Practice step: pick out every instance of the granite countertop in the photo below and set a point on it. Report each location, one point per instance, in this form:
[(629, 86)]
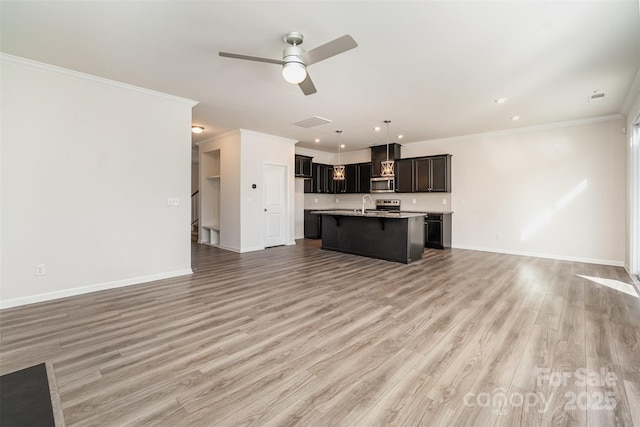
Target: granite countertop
[(430, 212), (368, 214)]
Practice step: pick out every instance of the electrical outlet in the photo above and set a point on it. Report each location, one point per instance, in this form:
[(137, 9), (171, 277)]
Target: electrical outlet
[(413, 201), (337, 201), (39, 270), (444, 201), (315, 200), (499, 236), (173, 201)]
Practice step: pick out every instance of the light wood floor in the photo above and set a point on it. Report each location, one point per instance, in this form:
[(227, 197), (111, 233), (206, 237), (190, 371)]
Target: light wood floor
[(300, 336)]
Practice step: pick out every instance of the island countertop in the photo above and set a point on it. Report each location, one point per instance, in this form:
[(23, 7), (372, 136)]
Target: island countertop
[(369, 214), (394, 236)]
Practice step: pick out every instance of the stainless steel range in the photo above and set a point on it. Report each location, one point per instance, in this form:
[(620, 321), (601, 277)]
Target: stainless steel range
[(392, 205)]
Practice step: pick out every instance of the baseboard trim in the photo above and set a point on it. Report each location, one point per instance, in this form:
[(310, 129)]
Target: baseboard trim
[(543, 255), (16, 302)]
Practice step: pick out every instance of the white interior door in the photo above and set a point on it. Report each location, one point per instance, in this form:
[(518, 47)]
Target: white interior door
[(274, 205)]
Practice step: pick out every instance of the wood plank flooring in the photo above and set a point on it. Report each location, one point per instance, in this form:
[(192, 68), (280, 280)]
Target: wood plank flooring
[(300, 336)]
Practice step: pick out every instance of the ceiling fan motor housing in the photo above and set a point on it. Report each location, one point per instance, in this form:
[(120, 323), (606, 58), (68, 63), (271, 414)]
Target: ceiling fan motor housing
[(294, 70)]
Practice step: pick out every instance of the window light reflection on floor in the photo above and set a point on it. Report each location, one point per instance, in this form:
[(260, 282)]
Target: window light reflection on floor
[(618, 285)]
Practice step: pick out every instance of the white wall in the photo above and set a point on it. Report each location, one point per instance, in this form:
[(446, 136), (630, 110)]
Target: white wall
[(557, 192), (243, 155), (87, 167), (259, 149)]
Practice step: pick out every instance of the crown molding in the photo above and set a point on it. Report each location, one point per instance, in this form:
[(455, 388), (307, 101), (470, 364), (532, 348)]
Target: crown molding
[(527, 129), (17, 61)]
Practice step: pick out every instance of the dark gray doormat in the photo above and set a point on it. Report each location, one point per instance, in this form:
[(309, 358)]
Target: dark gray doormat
[(25, 398)]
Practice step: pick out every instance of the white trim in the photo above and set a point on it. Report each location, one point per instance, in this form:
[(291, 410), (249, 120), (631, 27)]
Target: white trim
[(88, 78), (218, 136), (91, 288), (534, 128), (229, 248), (280, 138), (541, 255)]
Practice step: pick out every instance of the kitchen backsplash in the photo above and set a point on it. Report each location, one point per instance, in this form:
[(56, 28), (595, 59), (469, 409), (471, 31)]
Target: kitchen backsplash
[(432, 202)]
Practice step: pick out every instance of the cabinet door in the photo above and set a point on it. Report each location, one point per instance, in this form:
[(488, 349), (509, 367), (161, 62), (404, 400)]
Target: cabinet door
[(404, 176), (423, 175), (433, 234), (378, 154), (319, 178), (305, 167), (364, 178), (440, 174), (329, 183), (351, 179)]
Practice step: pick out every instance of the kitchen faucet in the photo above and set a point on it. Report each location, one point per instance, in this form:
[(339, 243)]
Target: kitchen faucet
[(364, 199)]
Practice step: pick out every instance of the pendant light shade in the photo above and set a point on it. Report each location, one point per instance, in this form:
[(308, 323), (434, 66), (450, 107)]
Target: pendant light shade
[(387, 165), (338, 170)]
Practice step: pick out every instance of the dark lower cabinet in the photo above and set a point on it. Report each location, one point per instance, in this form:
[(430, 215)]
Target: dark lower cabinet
[(437, 230), (312, 225)]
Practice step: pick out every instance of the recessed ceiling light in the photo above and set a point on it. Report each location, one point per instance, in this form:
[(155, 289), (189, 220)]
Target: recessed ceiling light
[(377, 128), (400, 136), (514, 118), (341, 145), (197, 129), (500, 100), (317, 139)]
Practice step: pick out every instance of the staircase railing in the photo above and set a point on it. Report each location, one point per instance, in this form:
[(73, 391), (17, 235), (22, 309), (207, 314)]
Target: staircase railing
[(195, 207)]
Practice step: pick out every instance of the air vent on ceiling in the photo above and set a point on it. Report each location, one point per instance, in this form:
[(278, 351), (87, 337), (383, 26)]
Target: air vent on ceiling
[(312, 121), (596, 96)]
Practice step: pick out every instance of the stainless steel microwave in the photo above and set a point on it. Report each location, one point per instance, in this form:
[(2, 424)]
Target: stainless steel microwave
[(383, 184)]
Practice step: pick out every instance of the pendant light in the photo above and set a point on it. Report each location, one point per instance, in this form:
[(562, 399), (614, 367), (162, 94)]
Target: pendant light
[(387, 165), (338, 171)]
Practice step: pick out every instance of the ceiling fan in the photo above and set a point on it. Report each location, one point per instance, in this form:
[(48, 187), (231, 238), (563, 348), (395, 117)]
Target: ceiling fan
[(295, 60)]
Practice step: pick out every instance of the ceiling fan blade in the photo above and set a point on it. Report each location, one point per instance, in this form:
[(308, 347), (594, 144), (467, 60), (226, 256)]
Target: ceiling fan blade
[(307, 86), (251, 58), (327, 50)]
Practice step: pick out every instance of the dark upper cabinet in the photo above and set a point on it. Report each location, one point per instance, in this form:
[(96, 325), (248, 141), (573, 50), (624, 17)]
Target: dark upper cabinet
[(433, 174), (404, 171), (351, 179), (322, 178), (441, 174), (364, 178), (303, 166), (379, 154), (424, 174), (357, 179)]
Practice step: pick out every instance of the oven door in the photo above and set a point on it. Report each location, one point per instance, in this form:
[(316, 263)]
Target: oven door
[(383, 185)]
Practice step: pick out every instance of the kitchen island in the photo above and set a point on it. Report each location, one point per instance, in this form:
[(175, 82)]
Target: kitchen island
[(393, 236)]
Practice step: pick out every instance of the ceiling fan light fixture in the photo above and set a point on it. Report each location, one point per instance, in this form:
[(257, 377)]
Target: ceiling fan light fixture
[(294, 72)]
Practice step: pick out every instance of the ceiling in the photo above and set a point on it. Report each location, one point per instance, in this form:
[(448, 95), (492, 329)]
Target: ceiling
[(434, 68)]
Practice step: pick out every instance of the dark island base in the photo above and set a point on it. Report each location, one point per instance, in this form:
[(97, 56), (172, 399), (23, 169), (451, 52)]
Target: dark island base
[(391, 239)]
